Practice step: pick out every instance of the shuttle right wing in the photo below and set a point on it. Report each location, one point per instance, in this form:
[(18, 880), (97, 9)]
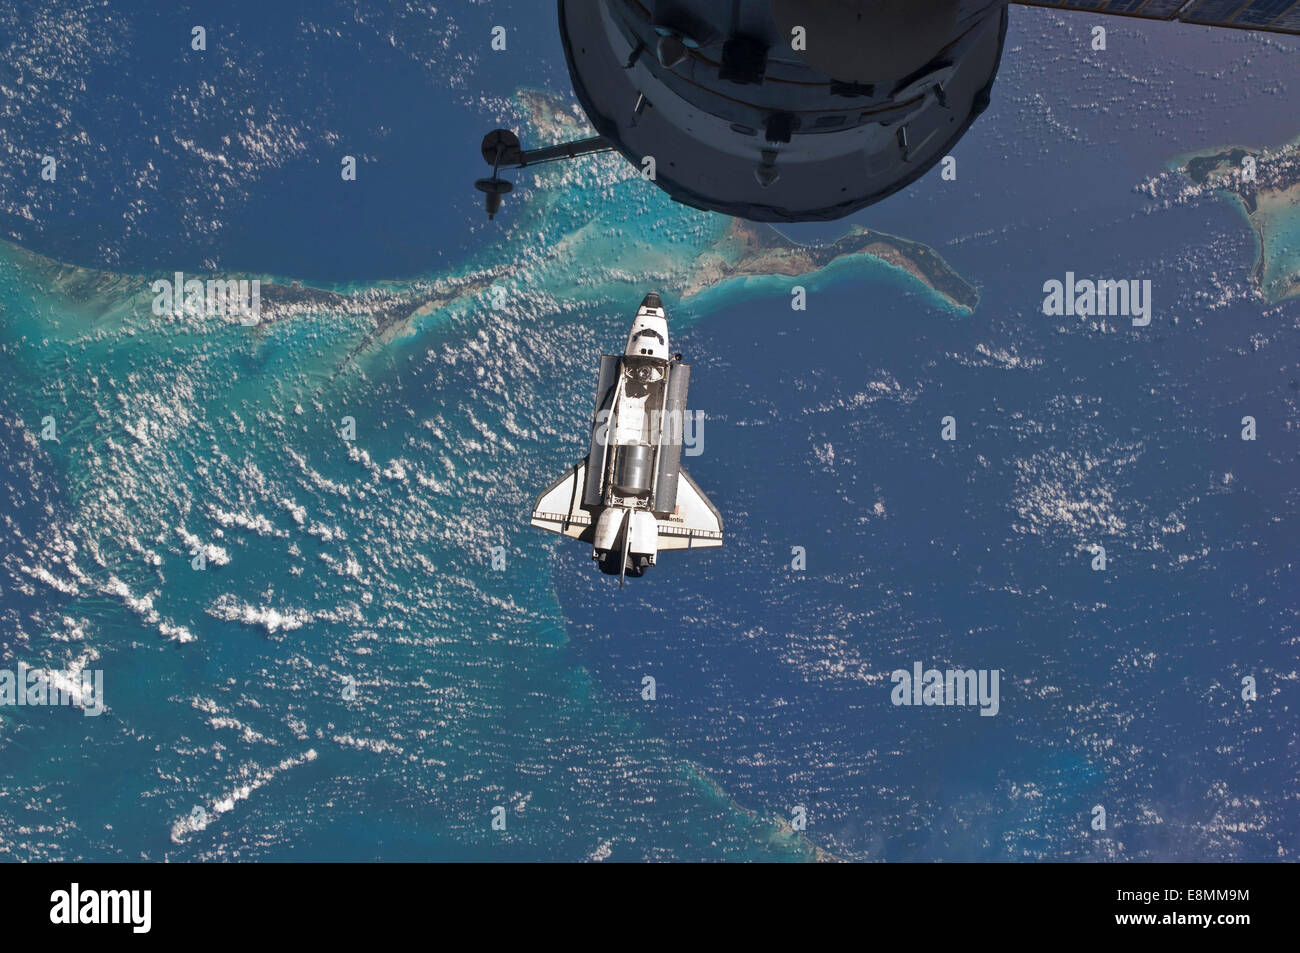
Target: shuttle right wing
[(695, 524)]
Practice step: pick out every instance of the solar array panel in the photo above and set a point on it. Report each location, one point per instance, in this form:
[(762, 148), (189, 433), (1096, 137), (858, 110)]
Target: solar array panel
[(1273, 16)]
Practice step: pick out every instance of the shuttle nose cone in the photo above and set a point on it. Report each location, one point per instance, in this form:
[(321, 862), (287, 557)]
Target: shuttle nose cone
[(652, 301)]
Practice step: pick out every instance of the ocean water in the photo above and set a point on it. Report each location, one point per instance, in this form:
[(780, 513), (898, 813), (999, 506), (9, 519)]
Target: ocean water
[(1118, 689), (170, 158), (233, 731)]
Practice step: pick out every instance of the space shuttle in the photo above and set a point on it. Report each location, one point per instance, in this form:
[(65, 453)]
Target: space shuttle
[(630, 498)]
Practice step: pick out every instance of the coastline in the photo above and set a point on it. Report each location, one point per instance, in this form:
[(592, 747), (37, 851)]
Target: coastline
[(1270, 205)]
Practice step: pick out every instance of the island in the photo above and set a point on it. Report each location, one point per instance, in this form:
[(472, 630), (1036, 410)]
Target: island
[(749, 249), (1270, 200), (585, 233), (731, 248)]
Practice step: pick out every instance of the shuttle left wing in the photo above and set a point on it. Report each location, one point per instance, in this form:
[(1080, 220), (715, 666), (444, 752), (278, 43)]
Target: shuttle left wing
[(559, 508)]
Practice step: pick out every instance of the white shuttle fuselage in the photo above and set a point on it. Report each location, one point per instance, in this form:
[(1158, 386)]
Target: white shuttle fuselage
[(630, 498)]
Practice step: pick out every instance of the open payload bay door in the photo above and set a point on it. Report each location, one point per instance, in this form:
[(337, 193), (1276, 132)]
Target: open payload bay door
[(695, 522), (1269, 16), (559, 508)]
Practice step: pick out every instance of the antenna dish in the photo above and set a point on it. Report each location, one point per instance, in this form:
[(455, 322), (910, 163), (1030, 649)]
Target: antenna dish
[(501, 147), (494, 189)]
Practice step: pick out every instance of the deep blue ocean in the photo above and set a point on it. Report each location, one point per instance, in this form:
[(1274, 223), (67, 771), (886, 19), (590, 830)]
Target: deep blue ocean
[(231, 732)]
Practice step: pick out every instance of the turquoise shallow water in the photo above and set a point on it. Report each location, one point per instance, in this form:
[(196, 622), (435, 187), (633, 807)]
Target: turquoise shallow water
[(1276, 219), (328, 560), (335, 564), (1283, 251)]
